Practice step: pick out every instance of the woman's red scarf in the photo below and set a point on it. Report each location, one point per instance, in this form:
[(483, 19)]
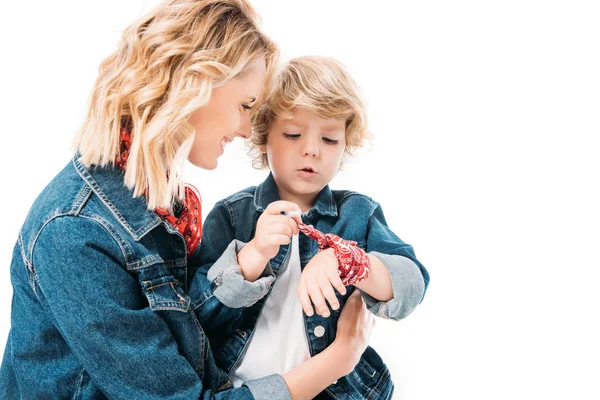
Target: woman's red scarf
[(189, 222)]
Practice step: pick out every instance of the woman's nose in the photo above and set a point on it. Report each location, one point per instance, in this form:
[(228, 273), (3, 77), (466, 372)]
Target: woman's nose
[(245, 129)]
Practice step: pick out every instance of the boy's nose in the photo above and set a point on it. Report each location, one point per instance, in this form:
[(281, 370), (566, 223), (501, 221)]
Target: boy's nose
[(310, 149)]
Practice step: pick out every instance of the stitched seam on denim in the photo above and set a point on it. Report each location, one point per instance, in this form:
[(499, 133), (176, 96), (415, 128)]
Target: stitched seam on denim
[(83, 197), (195, 305), (119, 240), (370, 373), (86, 176), (331, 394), (31, 274), (257, 198), (360, 382), (145, 262), (32, 244), (78, 391), (232, 217), (66, 215), (201, 335), (177, 263), (236, 197), (137, 235), (20, 243), (350, 193), (376, 390)]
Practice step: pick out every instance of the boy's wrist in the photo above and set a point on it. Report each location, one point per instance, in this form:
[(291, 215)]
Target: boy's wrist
[(251, 262)]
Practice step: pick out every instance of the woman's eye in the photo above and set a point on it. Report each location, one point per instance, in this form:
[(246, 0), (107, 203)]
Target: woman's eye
[(291, 135), (246, 107), (330, 141)]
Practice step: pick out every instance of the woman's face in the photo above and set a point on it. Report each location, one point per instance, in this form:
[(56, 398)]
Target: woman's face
[(226, 115)]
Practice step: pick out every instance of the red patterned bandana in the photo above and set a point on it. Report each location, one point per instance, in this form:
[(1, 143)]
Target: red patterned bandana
[(353, 261), (189, 222)]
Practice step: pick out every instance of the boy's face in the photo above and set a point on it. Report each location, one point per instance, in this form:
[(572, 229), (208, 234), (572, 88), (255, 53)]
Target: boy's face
[(304, 154)]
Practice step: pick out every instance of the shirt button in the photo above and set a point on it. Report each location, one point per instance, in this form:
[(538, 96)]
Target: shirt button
[(319, 331)]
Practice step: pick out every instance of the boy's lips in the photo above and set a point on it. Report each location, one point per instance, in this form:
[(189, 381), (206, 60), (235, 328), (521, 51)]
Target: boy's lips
[(306, 172), (307, 169)]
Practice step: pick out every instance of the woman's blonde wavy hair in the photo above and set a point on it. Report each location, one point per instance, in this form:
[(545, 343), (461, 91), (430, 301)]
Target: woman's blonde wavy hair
[(319, 84), (166, 66)]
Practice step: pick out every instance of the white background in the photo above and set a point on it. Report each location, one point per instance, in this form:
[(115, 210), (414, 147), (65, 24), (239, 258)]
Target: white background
[(486, 119)]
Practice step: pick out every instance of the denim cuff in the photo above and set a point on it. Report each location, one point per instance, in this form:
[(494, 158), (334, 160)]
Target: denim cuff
[(271, 387), (229, 285), (408, 287)]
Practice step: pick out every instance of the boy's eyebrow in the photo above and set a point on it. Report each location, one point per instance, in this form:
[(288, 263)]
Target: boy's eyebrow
[(296, 124), (332, 129)]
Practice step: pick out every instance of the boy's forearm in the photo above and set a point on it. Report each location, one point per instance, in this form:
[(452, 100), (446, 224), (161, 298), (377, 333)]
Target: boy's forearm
[(251, 262), (379, 283)]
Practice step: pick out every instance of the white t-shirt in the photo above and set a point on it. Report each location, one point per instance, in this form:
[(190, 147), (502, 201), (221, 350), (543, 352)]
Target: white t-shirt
[(279, 341)]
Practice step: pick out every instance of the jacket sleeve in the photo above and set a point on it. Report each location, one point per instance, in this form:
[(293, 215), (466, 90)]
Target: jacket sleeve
[(218, 289), (409, 277), (97, 305)]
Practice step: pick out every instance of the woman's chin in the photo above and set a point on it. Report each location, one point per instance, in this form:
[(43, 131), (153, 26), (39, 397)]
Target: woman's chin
[(203, 161)]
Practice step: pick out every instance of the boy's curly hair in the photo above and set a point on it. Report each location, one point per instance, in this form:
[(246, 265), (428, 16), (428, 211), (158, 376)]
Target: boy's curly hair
[(319, 84)]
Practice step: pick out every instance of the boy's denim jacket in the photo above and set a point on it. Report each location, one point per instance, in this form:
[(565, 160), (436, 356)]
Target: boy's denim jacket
[(228, 307), (94, 277)]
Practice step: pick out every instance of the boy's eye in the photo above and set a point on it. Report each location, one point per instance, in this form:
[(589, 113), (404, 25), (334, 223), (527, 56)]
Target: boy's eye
[(329, 141), (246, 107), (291, 135)]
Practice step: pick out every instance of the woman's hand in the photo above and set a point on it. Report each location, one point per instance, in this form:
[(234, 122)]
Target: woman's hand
[(353, 331), (354, 327), (273, 229), (317, 282)]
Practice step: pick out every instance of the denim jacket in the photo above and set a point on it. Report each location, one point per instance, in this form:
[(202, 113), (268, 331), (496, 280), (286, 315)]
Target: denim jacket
[(228, 307), (99, 308)]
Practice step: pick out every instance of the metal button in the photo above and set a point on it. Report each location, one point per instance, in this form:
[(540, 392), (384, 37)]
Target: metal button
[(319, 331)]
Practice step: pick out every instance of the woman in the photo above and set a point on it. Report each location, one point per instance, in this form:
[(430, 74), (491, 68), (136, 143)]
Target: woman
[(101, 263)]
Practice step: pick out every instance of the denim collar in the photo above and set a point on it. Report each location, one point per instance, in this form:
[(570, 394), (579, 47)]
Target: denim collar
[(107, 184), (267, 192)]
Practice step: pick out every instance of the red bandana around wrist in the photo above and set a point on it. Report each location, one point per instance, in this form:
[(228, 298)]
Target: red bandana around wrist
[(353, 262), (189, 222)]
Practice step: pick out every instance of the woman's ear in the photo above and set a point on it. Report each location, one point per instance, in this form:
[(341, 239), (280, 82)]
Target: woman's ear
[(263, 148)]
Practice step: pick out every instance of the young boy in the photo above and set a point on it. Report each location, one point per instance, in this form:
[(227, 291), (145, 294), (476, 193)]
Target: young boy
[(257, 275)]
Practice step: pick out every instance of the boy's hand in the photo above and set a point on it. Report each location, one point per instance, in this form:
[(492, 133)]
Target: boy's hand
[(319, 278), (272, 230)]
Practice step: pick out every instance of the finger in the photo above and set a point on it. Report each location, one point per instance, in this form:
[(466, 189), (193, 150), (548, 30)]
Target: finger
[(280, 228), (278, 238), (285, 220), (329, 294), (297, 220), (293, 224), (305, 299), (336, 281), (317, 298), (280, 206)]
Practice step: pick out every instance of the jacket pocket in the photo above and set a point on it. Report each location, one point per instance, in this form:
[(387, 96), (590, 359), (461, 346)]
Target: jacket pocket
[(164, 293)]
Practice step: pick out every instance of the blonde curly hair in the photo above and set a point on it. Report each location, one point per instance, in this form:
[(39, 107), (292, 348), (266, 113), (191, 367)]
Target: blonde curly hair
[(165, 68), (319, 84)]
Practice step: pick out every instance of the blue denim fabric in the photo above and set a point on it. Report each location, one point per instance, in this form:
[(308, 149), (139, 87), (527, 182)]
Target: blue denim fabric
[(229, 307), (99, 308)]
